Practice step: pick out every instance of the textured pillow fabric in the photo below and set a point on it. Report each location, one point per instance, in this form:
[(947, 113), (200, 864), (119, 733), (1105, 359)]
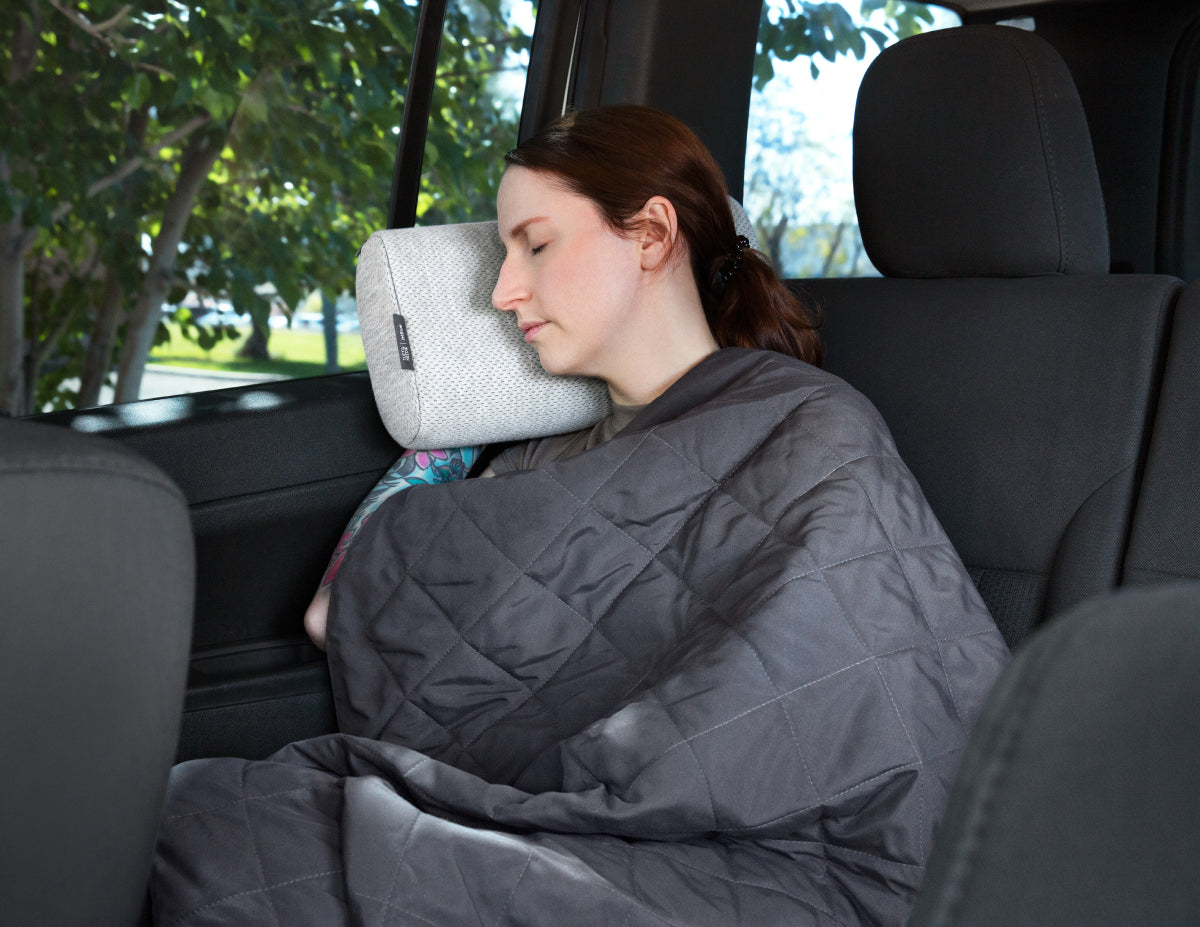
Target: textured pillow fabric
[(448, 369)]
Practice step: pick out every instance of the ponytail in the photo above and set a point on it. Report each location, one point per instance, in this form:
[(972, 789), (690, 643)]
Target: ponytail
[(753, 308), (619, 157)]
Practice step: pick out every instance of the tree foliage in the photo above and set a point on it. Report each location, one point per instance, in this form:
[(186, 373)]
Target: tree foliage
[(791, 29), (472, 124), (242, 151)]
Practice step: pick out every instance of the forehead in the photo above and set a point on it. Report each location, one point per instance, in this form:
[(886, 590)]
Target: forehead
[(526, 197)]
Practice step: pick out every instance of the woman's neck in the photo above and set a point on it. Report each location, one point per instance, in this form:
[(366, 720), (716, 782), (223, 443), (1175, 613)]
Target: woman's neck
[(671, 342), (663, 338)]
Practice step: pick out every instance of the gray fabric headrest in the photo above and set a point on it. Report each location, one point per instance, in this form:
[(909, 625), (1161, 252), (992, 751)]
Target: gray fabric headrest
[(447, 369), (972, 157)]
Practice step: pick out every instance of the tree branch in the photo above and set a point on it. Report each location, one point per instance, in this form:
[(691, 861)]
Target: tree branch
[(45, 344), (114, 20), (99, 31), (96, 30), (135, 163), (175, 135)]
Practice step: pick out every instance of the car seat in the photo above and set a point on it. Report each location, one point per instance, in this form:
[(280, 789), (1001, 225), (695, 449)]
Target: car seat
[(1077, 801), (1017, 375), (1164, 543), (97, 581)]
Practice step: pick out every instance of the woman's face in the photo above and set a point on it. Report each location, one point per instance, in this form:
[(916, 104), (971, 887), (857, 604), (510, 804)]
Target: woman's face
[(571, 280)]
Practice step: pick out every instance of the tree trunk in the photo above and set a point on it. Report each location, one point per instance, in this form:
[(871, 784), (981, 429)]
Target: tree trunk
[(13, 245), (201, 155), (833, 249), (15, 241), (255, 345), (44, 340), (329, 329), (100, 346), (774, 244)]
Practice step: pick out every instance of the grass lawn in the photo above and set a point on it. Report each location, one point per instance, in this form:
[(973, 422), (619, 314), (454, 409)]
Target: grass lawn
[(293, 353)]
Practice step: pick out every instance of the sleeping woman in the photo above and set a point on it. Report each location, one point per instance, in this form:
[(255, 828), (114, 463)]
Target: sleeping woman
[(711, 661)]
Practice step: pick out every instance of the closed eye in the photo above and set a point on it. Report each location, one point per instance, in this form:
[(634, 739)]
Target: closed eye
[(538, 249)]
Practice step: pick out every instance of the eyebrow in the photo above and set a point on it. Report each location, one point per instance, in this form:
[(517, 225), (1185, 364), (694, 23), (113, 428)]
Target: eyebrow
[(520, 227)]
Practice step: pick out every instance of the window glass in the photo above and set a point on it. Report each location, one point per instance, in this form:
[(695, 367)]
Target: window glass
[(191, 220), (476, 110), (811, 59)]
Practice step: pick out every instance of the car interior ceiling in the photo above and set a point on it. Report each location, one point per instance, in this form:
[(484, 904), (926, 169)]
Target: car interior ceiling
[(1050, 417)]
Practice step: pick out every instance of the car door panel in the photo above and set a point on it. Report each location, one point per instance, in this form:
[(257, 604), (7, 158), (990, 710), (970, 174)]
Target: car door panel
[(271, 473)]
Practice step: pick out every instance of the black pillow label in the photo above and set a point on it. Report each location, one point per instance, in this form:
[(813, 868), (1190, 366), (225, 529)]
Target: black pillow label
[(402, 345)]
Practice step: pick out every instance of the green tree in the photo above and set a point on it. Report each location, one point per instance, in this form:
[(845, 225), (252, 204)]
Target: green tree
[(246, 143), (791, 29), (473, 122)]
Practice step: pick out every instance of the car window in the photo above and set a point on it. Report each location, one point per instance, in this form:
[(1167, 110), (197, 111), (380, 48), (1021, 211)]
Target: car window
[(193, 218), (798, 191), (476, 109)]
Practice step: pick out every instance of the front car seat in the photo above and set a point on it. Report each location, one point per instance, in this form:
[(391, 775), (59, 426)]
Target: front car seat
[(1078, 800), (97, 582)]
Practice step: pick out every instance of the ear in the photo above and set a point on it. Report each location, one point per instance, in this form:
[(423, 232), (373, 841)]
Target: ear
[(658, 228)]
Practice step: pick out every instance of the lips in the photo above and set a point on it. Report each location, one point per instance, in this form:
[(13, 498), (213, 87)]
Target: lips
[(530, 329)]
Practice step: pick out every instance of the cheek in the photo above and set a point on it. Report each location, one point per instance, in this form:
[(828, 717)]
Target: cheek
[(566, 279), (596, 273)]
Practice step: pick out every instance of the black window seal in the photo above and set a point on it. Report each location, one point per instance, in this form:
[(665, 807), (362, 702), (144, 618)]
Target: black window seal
[(414, 125), (553, 59), (1179, 173)]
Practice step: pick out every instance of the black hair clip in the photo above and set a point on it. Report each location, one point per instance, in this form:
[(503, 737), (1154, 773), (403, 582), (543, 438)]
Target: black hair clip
[(731, 265)]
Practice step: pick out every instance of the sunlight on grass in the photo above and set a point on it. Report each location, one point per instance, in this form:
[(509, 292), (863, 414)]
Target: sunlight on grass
[(293, 353)]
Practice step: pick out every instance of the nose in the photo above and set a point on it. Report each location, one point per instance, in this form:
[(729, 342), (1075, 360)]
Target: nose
[(509, 289)]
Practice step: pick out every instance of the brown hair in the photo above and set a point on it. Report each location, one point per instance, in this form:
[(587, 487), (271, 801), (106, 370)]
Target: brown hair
[(619, 157)]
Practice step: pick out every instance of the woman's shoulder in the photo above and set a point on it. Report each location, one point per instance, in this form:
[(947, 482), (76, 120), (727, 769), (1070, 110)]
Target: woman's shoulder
[(824, 402), (770, 370), (539, 452), (534, 452)]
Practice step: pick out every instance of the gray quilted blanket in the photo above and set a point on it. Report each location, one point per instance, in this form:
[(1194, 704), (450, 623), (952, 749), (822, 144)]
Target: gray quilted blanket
[(718, 671)]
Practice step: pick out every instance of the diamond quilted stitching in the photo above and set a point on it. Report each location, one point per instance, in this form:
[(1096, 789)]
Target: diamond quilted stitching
[(829, 526), (655, 590), (852, 700), (775, 782), (889, 595), (704, 548), (800, 625), (951, 610), (674, 482), (543, 504), (591, 563), (922, 701)]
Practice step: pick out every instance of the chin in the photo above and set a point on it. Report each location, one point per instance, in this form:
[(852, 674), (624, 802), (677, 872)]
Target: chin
[(556, 366)]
